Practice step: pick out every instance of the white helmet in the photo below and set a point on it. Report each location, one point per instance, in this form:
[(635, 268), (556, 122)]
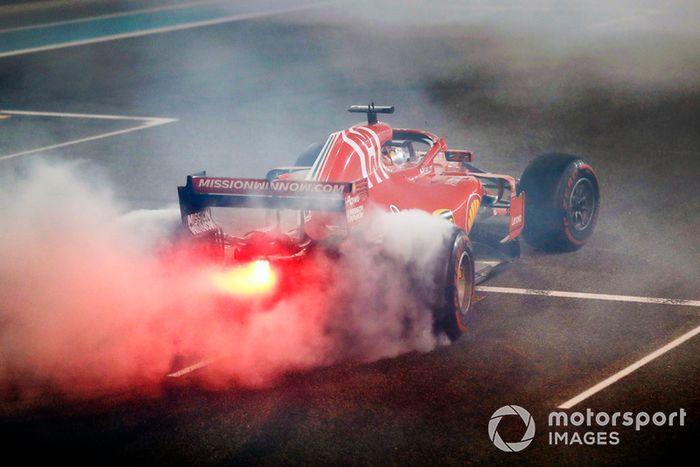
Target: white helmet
[(398, 155)]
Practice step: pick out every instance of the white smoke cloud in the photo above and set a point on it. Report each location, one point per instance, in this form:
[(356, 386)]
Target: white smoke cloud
[(90, 303)]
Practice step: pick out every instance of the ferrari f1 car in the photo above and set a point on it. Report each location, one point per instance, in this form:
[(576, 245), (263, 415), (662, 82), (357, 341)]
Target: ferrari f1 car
[(554, 206)]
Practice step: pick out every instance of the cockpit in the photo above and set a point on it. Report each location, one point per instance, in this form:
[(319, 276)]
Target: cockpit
[(405, 150)]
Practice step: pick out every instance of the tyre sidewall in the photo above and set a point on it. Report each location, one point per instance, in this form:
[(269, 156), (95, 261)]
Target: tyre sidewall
[(575, 171), (451, 318), (547, 183)]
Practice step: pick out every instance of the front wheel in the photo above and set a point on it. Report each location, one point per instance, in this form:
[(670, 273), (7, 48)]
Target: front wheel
[(455, 285), (562, 199)]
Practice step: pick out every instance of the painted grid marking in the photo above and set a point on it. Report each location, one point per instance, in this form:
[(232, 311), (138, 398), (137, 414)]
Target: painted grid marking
[(179, 6), (145, 123), (630, 369), (555, 293), (164, 29), (195, 367), (616, 298), (590, 296)]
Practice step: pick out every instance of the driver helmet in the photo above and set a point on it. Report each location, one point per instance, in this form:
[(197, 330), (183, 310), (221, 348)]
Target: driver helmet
[(397, 155)]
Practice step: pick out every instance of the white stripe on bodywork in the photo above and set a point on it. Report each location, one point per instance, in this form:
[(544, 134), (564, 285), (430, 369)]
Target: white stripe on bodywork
[(360, 154), (375, 138), (329, 152), (319, 163), (371, 154)]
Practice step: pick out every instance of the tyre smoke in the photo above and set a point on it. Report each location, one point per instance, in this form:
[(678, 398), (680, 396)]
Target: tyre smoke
[(91, 305)]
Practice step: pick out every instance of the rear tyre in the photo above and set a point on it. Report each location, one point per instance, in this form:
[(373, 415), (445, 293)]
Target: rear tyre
[(455, 285), (562, 200)]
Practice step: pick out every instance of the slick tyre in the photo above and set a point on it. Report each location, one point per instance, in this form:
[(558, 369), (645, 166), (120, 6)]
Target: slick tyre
[(562, 200), (455, 285)]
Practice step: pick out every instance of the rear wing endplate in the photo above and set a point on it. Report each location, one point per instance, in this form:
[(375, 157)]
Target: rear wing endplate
[(515, 205)]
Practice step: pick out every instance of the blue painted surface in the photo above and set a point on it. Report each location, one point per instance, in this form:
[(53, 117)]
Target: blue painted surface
[(99, 28)]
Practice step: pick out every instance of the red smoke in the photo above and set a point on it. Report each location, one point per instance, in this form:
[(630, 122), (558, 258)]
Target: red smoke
[(88, 307)]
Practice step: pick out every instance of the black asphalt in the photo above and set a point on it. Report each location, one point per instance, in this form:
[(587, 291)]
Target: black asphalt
[(250, 95)]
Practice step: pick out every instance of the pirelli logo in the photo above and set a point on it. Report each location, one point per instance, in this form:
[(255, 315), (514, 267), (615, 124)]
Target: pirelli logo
[(250, 186)]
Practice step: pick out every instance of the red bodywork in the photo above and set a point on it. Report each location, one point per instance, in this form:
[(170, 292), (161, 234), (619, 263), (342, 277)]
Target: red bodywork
[(353, 170), (434, 185)]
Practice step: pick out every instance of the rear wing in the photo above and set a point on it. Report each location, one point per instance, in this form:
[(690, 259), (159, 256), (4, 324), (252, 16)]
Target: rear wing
[(202, 192)]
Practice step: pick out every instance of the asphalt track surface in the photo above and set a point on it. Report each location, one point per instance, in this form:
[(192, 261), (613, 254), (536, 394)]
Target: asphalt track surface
[(620, 85)]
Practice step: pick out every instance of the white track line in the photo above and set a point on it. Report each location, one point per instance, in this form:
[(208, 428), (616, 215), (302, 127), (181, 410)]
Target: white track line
[(31, 113), (590, 296), (194, 367), (633, 367), (616, 298), (110, 15), (78, 141), (148, 122), (28, 7), (178, 27), (554, 293)]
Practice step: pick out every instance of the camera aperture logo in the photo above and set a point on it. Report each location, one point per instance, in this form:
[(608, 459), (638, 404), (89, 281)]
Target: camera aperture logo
[(527, 419), (580, 428)]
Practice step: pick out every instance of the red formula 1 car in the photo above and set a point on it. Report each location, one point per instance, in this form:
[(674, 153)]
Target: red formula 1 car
[(554, 205)]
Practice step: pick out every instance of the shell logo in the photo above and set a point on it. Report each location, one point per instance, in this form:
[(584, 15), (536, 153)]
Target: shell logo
[(472, 210)]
